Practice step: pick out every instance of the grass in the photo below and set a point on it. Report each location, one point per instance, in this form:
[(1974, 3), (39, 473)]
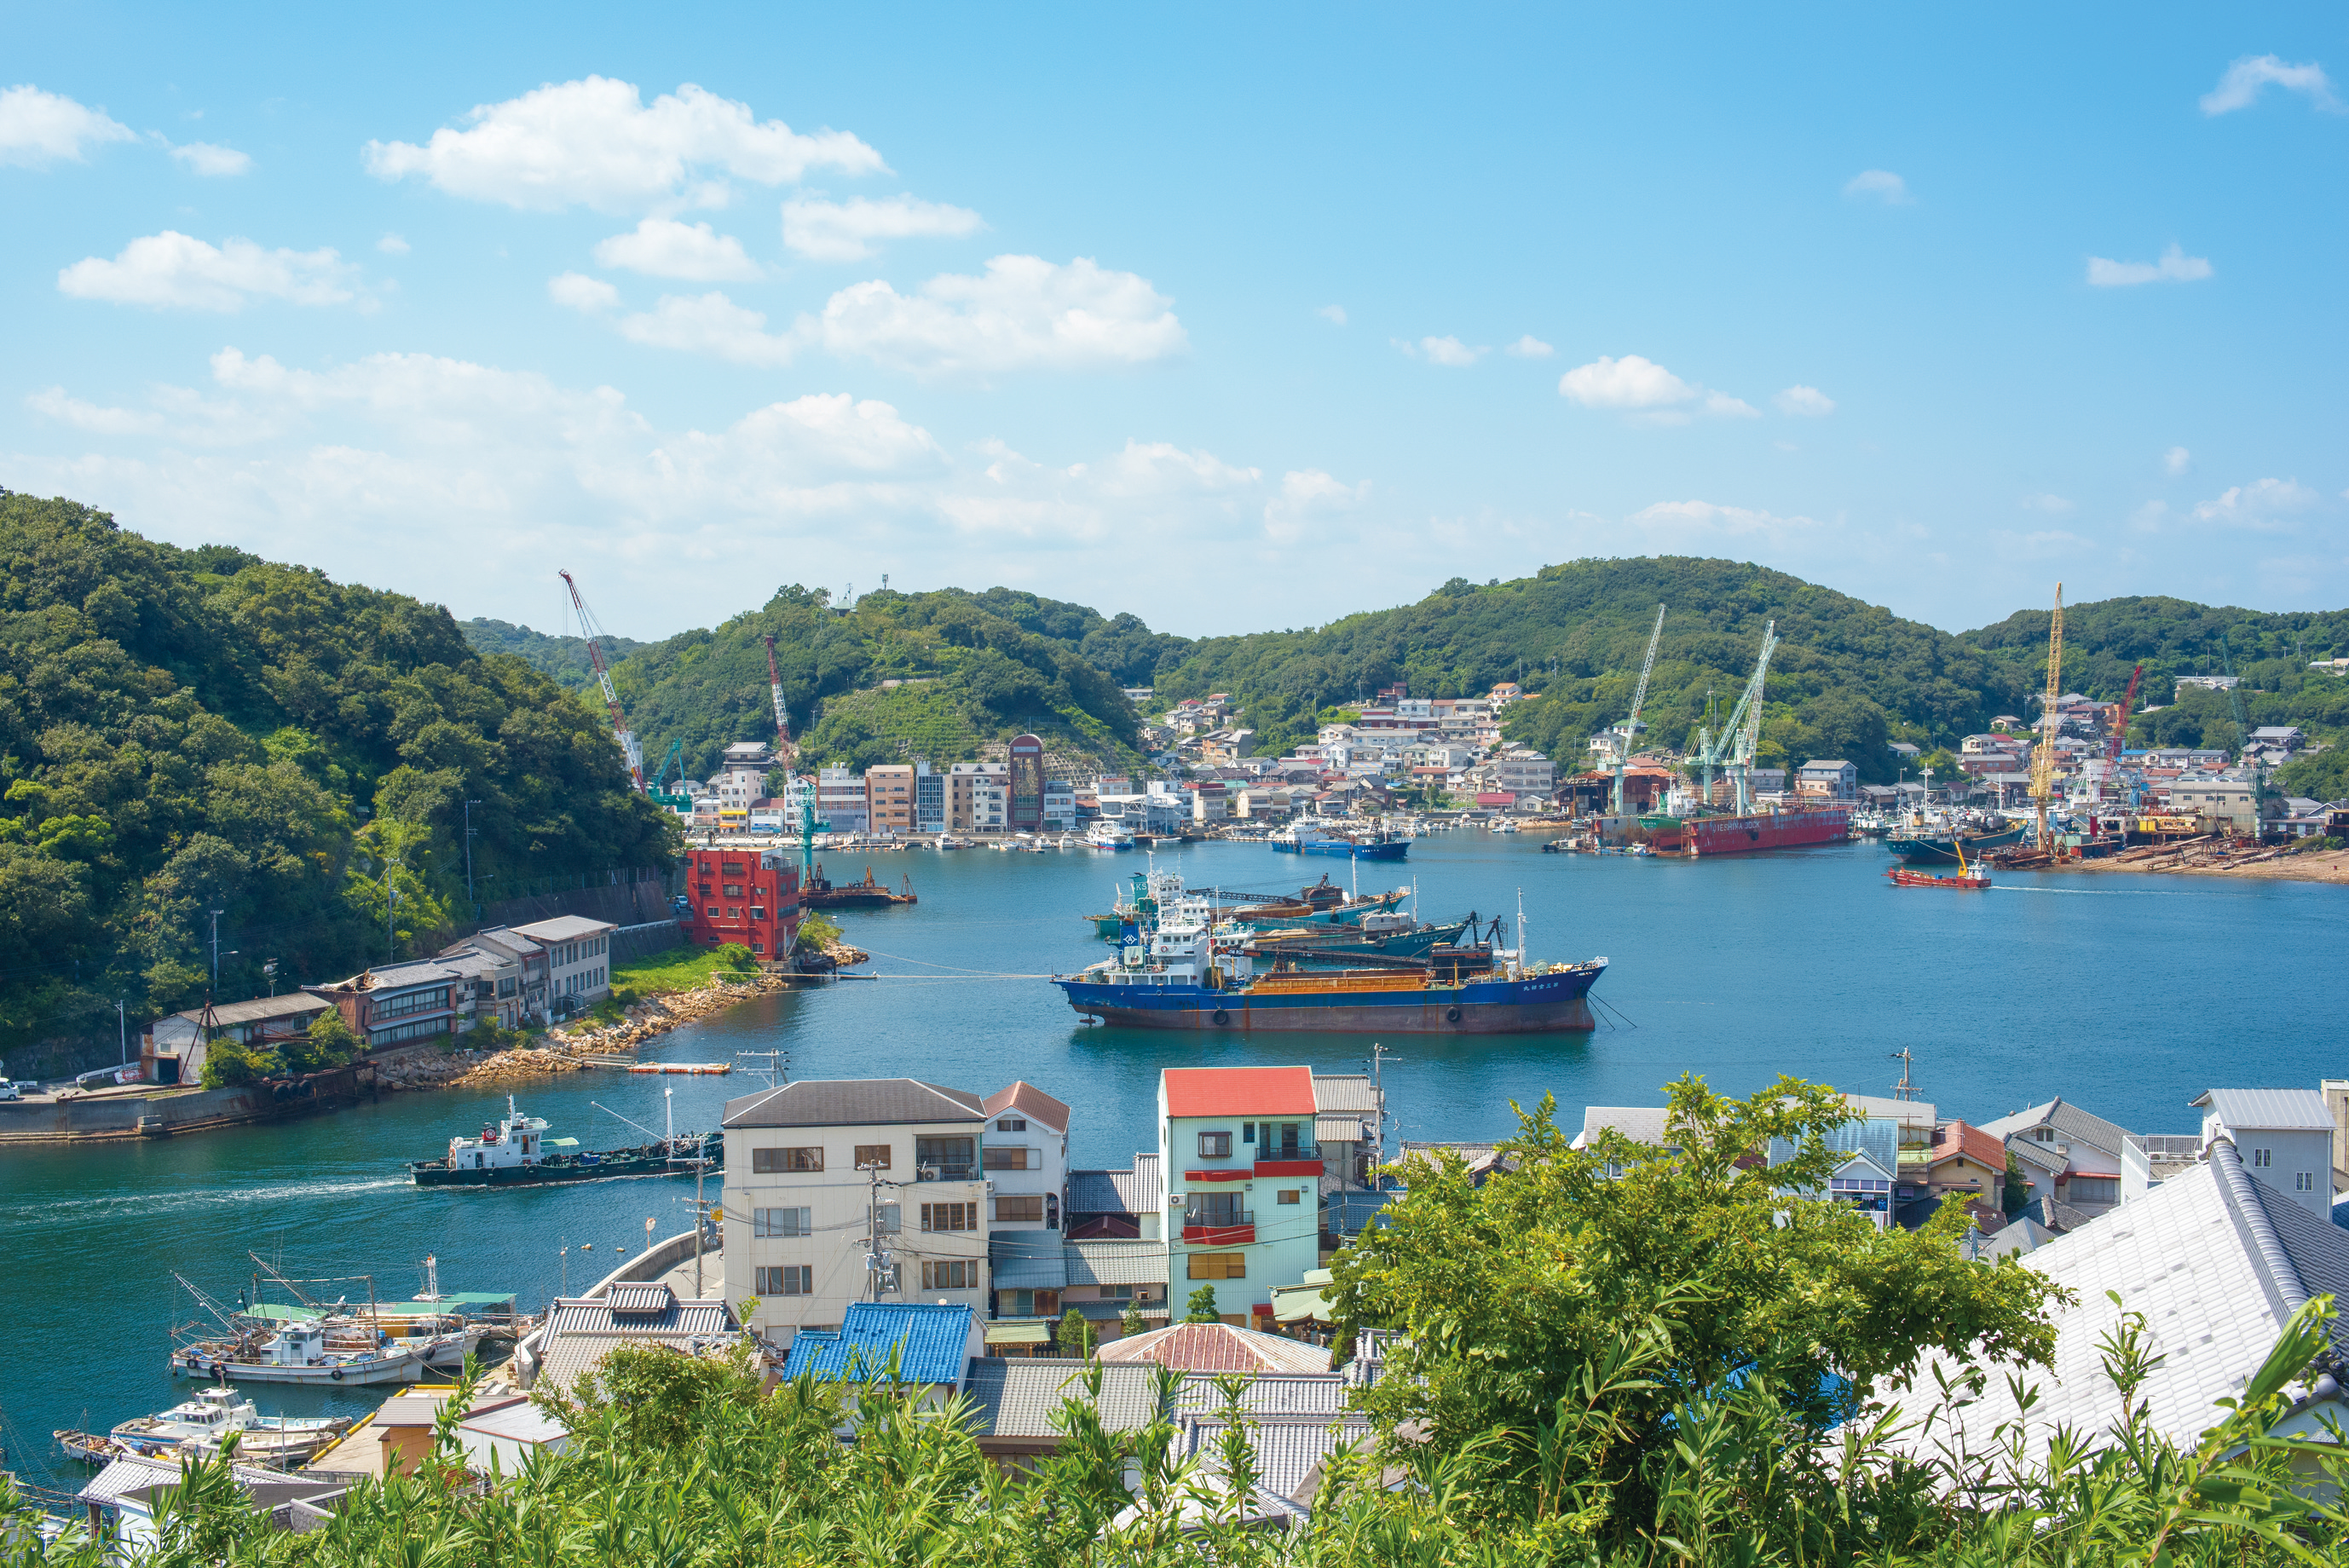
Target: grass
[(685, 968)]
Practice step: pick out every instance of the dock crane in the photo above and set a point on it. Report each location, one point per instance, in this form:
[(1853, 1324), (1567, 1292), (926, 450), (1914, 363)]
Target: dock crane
[(2051, 721), (782, 714), (1639, 700), (2119, 735), (593, 633), (1733, 746)]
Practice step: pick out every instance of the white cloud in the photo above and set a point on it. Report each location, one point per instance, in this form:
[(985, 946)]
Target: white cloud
[(1446, 350), (709, 324), (392, 245), (2176, 462), (204, 157), (38, 129), (2054, 505), (1024, 313), (1333, 314), (1529, 347), (56, 404), (1881, 184), (665, 248), (1803, 402), (577, 291), (174, 270), (2251, 76), (1725, 407), (844, 231), (2263, 506), (1307, 496), (1630, 382), (180, 415), (1701, 525), (594, 143), (2175, 266)]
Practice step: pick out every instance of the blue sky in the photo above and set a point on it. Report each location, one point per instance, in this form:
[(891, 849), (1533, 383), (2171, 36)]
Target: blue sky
[(1231, 320)]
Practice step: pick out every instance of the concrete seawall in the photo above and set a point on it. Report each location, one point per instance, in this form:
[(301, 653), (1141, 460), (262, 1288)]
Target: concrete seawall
[(112, 1119)]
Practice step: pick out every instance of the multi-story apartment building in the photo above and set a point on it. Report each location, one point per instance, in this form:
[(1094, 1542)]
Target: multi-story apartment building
[(1026, 1159), (578, 960), (929, 800), (746, 895), (840, 799), (978, 797), (397, 1003), (889, 798), (1243, 1173), (854, 1189)]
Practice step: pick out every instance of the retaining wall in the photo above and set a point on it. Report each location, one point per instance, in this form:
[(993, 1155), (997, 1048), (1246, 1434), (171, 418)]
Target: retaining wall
[(114, 1118), (631, 942)]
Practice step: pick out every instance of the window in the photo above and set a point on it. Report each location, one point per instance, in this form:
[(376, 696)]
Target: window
[(793, 1279), (955, 1276), (1288, 1139), (731, 871), (413, 1002), (949, 1216), (1214, 1146), (2305, 1182), (1010, 1159), (713, 912), (506, 985), (781, 1222), (1218, 1265), (873, 1156), (1011, 1124), (893, 1220), (1031, 1303), (780, 1162), (413, 1031), (733, 912), (733, 890), (1290, 1194), (757, 911), (1116, 1293), (1018, 1211), (952, 1159)]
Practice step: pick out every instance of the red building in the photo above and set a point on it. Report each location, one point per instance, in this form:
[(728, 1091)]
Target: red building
[(745, 895)]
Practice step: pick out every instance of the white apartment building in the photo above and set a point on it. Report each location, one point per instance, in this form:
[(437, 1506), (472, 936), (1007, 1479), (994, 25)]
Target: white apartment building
[(2283, 1137), (1060, 806), (1026, 1158), (979, 796), (579, 959), (840, 799), (854, 1189)]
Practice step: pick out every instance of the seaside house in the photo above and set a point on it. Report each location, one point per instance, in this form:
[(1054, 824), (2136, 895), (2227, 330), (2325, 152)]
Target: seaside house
[(2285, 1137), (171, 1050), (517, 958), (2071, 1160), (1025, 1155), (929, 1346), (1969, 1164), (396, 1004), (1016, 1403), (854, 1188), (1243, 1176), (578, 960), (580, 1331), (1831, 779)]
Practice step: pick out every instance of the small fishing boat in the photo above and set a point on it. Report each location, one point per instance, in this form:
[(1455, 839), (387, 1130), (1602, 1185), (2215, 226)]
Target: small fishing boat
[(204, 1423), (516, 1152), (1967, 879)]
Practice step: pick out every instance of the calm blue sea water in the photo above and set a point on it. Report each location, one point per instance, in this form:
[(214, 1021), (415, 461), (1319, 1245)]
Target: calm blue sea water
[(2129, 995)]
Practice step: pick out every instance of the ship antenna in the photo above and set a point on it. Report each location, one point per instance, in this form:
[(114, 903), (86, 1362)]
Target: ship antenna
[(1521, 935)]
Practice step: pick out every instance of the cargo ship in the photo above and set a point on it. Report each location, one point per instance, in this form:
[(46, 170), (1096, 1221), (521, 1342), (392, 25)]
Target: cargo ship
[(1920, 848), (1192, 973), (1746, 833), (516, 1152), (1380, 844)]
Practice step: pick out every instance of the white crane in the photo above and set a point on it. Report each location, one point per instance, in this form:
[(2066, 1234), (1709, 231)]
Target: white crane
[(595, 635), (1639, 700), (1734, 745)]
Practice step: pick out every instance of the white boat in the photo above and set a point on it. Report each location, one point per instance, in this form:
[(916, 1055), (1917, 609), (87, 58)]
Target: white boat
[(309, 1353), (1108, 834), (949, 841), (204, 1422)]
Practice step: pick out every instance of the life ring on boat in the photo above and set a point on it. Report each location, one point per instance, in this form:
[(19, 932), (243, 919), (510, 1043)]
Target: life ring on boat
[(1221, 1016), (1452, 1015), (336, 1373)]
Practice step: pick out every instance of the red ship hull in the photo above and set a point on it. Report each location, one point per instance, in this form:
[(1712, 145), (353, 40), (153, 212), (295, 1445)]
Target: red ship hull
[(1764, 830)]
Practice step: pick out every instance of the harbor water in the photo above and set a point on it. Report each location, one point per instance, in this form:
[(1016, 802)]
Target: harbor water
[(2127, 995)]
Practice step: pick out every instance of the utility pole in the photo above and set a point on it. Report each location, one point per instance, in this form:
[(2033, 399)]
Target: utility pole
[(468, 851), (872, 1229), (123, 1021), (390, 930), (215, 913)]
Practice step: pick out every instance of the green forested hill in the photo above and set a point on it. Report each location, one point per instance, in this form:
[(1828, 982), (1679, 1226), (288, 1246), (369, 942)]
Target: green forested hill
[(183, 731), (972, 667), (1847, 677), (565, 658)]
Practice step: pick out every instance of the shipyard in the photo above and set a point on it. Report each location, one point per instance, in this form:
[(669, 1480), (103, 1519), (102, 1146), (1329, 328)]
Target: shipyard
[(1336, 788)]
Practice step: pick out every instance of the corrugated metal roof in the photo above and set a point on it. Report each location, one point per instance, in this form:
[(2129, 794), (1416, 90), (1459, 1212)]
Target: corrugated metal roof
[(1017, 1399), (1218, 1347), (291, 1005), (567, 1356), (566, 928), (1020, 1331), (1344, 1092), (1238, 1091), (928, 1342), (1346, 1128), (2269, 1109), (1115, 1261), (576, 1314), (640, 1300), (1027, 1260), (853, 1102), (1265, 1394), (1287, 1448), (1149, 1194)]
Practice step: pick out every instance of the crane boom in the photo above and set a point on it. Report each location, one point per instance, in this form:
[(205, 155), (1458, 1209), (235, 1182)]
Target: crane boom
[(1639, 700), (1742, 733), (2120, 727), (2051, 720), (782, 714), (594, 633)]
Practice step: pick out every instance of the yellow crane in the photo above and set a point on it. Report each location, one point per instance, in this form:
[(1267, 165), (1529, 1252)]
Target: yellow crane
[(2051, 721)]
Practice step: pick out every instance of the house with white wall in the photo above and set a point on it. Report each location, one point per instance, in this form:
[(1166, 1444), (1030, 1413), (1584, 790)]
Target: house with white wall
[(1243, 1173), (2283, 1136)]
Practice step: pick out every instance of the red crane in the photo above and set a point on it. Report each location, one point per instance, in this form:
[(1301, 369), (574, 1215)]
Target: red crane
[(782, 714), (2120, 726), (595, 634)]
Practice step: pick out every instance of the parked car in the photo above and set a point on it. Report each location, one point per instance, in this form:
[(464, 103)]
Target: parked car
[(8, 1091)]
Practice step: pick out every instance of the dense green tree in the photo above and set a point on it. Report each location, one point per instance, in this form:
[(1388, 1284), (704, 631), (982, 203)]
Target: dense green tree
[(1201, 1307)]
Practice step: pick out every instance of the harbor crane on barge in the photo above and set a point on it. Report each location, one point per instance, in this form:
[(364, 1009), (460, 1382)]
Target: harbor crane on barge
[(1639, 700), (1733, 746), (595, 634)]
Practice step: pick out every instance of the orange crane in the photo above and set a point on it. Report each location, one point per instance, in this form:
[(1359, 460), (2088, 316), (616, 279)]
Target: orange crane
[(2051, 722), (2120, 728), (595, 634)]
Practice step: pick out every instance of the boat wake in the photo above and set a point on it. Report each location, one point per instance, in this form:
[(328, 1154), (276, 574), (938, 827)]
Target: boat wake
[(101, 1208)]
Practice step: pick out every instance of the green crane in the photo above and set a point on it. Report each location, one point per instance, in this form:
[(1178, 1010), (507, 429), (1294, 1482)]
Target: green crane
[(1733, 746), (1639, 700)]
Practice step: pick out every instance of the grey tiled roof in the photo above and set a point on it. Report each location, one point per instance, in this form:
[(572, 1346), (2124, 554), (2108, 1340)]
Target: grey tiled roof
[(1640, 1123), (1265, 1394), (1349, 1093), (1287, 1448), (2215, 1261), (2019, 1235), (853, 1102), (2269, 1109), (1116, 1262), (1017, 1397), (1101, 1193), (2076, 1125)]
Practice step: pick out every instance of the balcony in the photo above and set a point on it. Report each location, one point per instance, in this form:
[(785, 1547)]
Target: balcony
[(1287, 1161), (1219, 1227)]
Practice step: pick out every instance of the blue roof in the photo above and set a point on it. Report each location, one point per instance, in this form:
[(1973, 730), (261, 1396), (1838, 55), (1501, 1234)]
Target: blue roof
[(929, 1343)]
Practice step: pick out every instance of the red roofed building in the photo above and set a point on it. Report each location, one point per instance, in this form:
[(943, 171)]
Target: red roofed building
[(1243, 1185), (1968, 1165), (1216, 1347)]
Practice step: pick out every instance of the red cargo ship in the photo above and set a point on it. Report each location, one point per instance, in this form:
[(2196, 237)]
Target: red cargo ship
[(1827, 824)]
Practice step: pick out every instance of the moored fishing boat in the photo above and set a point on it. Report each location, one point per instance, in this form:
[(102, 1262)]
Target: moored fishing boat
[(204, 1423), (516, 1152)]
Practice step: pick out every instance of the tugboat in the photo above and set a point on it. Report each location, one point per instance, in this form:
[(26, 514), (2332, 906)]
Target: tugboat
[(517, 1152)]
